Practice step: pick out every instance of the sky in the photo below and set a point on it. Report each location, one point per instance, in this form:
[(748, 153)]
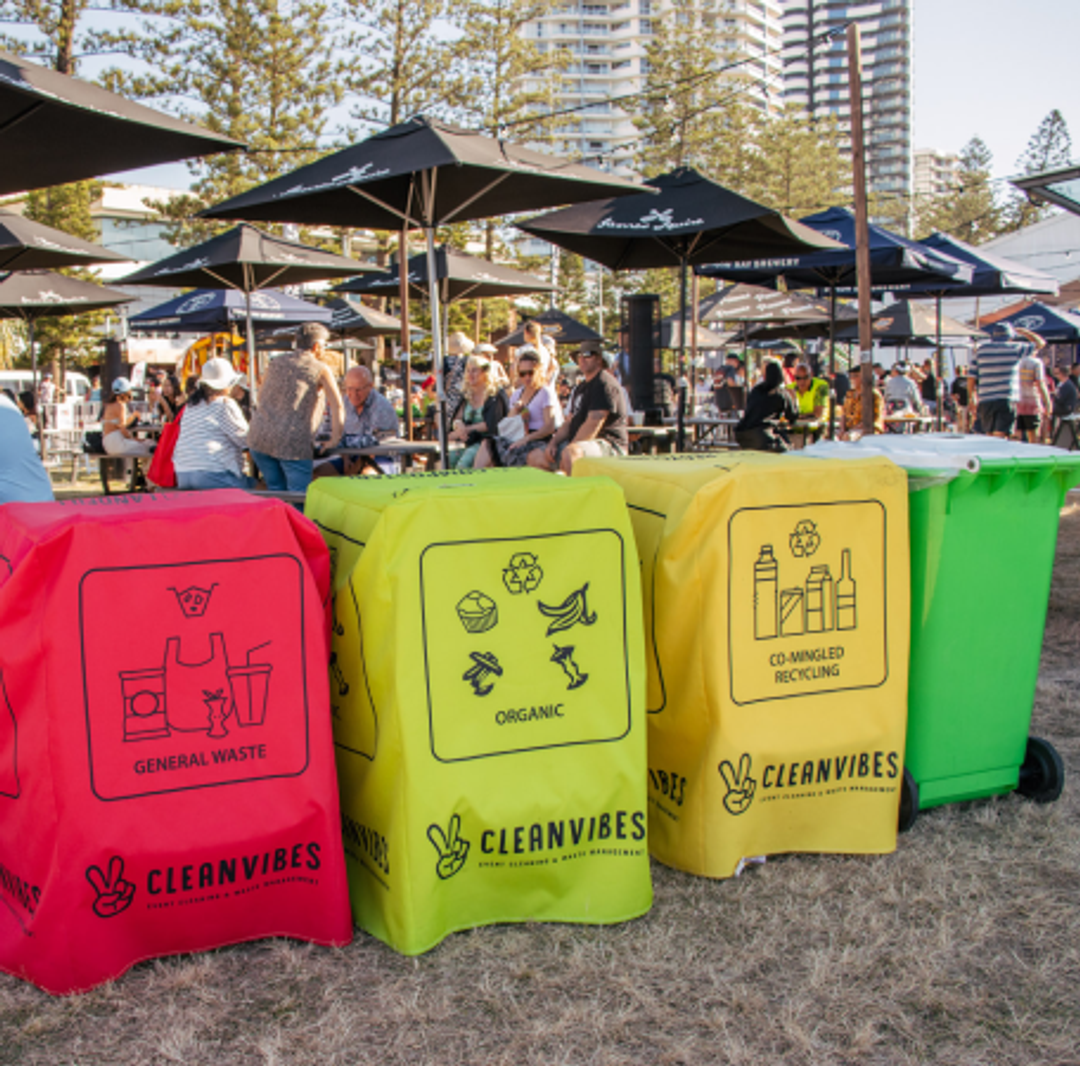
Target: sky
[(992, 68)]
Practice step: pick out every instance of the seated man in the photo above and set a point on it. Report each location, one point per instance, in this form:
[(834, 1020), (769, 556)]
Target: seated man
[(900, 391), (598, 424), (812, 394), (369, 418), (22, 477)]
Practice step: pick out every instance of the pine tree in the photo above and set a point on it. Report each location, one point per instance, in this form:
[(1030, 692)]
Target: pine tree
[(402, 67), (971, 211), (1049, 148), (57, 32), (257, 71), (680, 112), (799, 166), (67, 208)]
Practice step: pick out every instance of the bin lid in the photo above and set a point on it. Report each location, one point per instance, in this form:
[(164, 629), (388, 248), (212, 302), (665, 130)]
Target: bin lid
[(943, 455)]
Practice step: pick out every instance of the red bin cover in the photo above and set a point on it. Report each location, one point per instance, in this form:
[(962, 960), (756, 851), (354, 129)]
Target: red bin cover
[(167, 777)]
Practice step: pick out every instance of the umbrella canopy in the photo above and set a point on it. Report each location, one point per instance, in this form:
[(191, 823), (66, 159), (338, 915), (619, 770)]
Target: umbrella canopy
[(894, 260), (991, 275), (55, 129), (671, 335), (560, 327), (354, 319), (687, 218), (425, 173), (34, 294), (755, 303), (247, 259), (218, 309), (463, 277), (907, 320), (1053, 324), (28, 245)]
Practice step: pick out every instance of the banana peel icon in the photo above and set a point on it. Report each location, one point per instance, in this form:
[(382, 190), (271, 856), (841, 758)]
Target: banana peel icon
[(572, 611)]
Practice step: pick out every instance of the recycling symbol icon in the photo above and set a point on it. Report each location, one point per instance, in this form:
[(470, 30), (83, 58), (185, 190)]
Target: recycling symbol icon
[(522, 573), (804, 539)]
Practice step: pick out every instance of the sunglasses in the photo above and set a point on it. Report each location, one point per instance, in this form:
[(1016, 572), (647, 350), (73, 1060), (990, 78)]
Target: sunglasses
[(802, 377), (525, 373)]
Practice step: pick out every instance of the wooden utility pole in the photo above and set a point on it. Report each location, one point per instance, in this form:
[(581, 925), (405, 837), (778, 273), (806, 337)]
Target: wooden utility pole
[(862, 226)]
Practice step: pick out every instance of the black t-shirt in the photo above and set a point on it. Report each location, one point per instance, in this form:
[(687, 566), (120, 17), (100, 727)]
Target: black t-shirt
[(960, 390), (603, 393), (764, 408), (928, 388), (841, 385)]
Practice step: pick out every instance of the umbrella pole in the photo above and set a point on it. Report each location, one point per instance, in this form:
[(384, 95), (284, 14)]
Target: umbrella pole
[(832, 361), (253, 359), (436, 343), (681, 421), (403, 313), (693, 343), (938, 393), (34, 373)]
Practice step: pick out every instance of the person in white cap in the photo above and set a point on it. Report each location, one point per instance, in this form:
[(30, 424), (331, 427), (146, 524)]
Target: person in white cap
[(213, 433), (117, 423)]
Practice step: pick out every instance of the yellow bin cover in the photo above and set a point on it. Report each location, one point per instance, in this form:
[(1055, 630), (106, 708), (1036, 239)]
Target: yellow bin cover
[(487, 682), (776, 602)]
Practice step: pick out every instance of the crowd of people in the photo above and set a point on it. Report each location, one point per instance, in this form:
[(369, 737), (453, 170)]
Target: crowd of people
[(525, 411)]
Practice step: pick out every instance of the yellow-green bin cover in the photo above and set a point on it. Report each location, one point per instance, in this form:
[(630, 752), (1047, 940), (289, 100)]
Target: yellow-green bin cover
[(776, 601), (487, 685)]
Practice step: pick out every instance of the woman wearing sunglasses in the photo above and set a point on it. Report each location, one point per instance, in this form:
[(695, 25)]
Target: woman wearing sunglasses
[(536, 403)]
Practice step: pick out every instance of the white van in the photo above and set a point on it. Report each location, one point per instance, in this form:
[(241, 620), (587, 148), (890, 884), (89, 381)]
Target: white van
[(78, 385)]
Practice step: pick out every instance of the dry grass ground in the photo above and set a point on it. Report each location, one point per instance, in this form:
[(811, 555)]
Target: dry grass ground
[(963, 948)]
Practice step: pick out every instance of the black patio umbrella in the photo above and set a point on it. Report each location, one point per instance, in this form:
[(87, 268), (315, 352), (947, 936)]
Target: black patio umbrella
[(559, 326), (55, 129), (33, 294), (246, 259), (460, 277), (28, 245), (907, 320), (422, 174), (671, 335), (350, 318), (210, 310), (688, 220)]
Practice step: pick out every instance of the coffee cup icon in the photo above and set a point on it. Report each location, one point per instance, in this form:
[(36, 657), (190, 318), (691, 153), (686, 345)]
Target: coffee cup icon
[(250, 686)]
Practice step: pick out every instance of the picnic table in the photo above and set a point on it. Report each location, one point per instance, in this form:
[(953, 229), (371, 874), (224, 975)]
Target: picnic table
[(710, 429), (403, 450), (908, 423), (647, 440), (1064, 434)]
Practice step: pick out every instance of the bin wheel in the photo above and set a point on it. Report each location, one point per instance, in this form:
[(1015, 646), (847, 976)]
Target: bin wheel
[(909, 802), (1042, 775)]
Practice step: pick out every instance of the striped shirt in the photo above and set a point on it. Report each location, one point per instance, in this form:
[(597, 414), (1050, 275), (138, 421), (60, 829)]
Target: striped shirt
[(213, 436), (994, 369)]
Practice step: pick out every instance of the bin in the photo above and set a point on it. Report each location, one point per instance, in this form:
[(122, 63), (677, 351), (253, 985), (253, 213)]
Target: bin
[(488, 686), (775, 593), (984, 521), (167, 780)]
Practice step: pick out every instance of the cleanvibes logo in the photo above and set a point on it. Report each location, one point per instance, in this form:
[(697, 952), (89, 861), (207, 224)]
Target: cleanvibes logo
[(537, 841), (834, 773), (223, 876)]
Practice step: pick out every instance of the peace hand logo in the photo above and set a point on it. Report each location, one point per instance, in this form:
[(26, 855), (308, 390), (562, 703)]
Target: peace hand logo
[(450, 846), (740, 785), (114, 894)]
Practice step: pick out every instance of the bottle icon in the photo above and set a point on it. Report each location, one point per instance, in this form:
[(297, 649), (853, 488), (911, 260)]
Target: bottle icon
[(766, 578), (819, 600), (846, 617)]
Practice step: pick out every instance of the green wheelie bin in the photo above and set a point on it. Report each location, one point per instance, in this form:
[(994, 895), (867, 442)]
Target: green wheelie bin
[(984, 522)]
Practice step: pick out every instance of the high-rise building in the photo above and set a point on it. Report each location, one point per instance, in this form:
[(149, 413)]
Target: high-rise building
[(607, 43), (816, 78), (935, 172)]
